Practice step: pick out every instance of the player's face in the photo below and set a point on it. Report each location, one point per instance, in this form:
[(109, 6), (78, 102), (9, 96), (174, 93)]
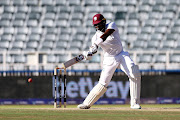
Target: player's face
[(101, 26)]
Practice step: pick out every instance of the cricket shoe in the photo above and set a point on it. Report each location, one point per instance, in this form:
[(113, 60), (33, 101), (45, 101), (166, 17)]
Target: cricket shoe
[(135, 106), (82, 106)]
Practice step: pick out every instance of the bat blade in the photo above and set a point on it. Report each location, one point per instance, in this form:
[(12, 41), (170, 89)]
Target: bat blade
[(73, 61)]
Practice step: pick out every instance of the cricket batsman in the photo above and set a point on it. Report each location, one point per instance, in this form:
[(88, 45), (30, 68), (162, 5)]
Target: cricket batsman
[(107, 37)]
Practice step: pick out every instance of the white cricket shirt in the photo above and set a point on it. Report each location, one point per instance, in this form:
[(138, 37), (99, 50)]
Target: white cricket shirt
[(112, 46)]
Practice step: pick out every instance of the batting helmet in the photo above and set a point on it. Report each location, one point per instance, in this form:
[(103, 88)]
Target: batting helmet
[(98, 18)]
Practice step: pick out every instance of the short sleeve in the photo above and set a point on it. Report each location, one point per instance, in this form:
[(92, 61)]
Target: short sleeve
[(111, 25)]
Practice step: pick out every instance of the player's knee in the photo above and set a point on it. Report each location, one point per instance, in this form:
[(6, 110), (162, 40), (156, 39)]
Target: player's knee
[(104, 83), (135, 73)]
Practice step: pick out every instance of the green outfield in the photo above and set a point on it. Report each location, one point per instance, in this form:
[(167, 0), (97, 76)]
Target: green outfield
[(97, 112)]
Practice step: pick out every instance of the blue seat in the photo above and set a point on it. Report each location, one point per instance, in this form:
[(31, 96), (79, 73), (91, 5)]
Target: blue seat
[(18, 23), (160, 58), (20, 59), (146, 58), (89, 2), (9, 9), (6, 16), (4, 45), (171, 36), (32, 2), (32, 44), (48, 23), (47, 2), (52, 58), (103, 2), (5, 23), (17, 46), (147, 29), (153, 45), (74, 2), (20, 37), (20, 16), (4, 2), (61, 2), (175, 58), (22, 8), (157, 36), (49, 15), (62, 44), (118, 2), (6, 37), (32, 23), (34, 37)]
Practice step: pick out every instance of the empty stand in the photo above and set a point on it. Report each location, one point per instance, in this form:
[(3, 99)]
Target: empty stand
[(66, 25)]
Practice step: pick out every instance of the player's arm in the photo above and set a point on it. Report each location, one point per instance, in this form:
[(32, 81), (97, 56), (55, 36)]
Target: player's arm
[(93, 49), (104, 36)]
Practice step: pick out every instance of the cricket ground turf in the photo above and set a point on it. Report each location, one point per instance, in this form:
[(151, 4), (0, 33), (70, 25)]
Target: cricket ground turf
[(97, 112)]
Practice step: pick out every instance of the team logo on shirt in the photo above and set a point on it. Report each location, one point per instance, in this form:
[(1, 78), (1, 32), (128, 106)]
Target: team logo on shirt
[(95, 18)]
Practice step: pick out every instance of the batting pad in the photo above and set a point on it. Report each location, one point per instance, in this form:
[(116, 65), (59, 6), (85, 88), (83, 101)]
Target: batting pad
[(135, 85), (95, 94)]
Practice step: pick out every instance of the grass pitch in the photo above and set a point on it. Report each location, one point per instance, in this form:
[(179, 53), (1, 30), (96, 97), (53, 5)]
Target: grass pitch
[(97, 112)]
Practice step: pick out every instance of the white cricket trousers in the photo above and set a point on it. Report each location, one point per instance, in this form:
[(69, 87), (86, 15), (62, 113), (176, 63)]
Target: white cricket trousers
[(111, 63)]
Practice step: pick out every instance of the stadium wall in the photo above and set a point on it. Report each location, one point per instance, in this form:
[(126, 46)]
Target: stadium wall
[(153, 86)]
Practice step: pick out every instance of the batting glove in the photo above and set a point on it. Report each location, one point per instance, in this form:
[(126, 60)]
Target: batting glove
[(87, 55), (93, 49)]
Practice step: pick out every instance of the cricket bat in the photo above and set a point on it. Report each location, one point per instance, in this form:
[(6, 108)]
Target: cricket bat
[(73, 61)]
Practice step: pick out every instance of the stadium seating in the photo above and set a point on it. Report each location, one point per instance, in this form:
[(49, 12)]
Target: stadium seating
[(66, 26)]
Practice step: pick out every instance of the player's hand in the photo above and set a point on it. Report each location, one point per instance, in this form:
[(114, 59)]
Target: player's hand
[(93, 49), (87, 55)]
